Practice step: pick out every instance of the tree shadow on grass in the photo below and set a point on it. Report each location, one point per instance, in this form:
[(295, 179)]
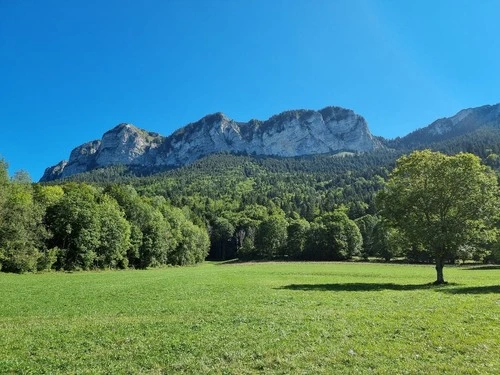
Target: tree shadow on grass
[(481, 268), (450, 288), (358, 287), (228, 261), (487, 289)]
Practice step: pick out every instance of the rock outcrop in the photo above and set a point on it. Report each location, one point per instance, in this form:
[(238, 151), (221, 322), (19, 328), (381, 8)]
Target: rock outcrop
[(464, 122), (291, 133)]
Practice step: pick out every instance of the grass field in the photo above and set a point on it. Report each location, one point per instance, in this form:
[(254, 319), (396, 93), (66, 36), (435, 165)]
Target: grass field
[(283, 318)]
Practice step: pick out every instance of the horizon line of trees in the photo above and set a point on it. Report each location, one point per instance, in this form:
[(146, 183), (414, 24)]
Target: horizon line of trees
[(81, 227), (218, 211)]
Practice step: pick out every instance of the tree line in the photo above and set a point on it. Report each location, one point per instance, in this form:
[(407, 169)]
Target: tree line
[(77, 226), (174, 219), (221, 207)]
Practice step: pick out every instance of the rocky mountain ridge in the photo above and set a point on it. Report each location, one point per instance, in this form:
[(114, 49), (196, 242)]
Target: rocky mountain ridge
[(288, 134), (462, 123)]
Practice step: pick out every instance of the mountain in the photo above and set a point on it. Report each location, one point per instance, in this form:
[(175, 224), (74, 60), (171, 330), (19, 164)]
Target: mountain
[(465, 122), (289, 134), (125, 144)]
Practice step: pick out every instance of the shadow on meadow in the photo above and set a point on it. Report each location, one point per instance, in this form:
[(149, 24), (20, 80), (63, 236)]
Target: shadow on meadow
[(481, 268), (367, 287), (473, 290)]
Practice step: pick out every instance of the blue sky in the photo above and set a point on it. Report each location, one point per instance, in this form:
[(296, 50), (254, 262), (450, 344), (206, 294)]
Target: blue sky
[(71, 70)]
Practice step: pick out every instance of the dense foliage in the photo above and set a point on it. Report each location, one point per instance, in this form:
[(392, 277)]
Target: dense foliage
[(225, 206), (79, 226), (441, 203)]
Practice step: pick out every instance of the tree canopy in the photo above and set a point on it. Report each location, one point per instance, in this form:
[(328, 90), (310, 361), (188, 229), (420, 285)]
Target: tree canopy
[(228, 206), (440, 202)]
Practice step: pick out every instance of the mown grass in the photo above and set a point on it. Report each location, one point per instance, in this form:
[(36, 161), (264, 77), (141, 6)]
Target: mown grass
[(283, 318)]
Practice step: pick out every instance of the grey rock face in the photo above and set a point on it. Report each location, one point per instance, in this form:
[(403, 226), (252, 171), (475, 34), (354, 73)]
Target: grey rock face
[(465, 121), (54, 172), (291, 133), (81, 158), (126, 144)]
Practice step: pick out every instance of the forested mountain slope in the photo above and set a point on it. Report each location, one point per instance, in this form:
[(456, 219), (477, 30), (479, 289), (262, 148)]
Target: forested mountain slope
[(240, 192)]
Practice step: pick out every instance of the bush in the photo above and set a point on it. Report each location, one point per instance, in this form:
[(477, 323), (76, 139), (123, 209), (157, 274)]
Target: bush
[(47, 259)]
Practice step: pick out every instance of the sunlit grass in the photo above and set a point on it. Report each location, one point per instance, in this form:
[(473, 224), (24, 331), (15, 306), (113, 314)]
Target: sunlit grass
[(308, 318)]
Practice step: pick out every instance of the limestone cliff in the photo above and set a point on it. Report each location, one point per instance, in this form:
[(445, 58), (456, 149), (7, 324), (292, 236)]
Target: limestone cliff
[(291, 133)]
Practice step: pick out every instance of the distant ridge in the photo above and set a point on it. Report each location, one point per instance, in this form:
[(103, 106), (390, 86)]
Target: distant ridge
[(464, 122), (288, 134)]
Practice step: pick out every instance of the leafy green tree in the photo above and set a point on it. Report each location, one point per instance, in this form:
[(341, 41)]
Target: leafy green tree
[(247, 249), (493, 160), (350, 235), (135, 213), (318, 245), (494, 255), (4, 174), (271, 236), (45, 197), (440, 201), (151, 237), (48, 195), (417, 253), (157, 239), (296, 237), (193, 246), (4, 181), (22, 177), (366, 225), (47, 258), (333, 236), (465, 253), (135, 244), (74, 222), (222, 239), (245, 237), (22, 233), (387, 241), (189, 243), (114, 235)]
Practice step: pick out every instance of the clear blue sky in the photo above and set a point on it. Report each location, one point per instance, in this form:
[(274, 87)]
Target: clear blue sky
[(71, 70)]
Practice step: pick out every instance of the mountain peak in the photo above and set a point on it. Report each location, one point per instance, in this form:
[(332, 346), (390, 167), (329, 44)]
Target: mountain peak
[(290, 133), (214, 118), (123, 125)]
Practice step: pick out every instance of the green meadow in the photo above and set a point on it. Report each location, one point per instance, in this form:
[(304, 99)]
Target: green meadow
[(247, 318)]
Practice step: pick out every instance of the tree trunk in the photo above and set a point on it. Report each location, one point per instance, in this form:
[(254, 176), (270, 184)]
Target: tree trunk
[(439, 271)]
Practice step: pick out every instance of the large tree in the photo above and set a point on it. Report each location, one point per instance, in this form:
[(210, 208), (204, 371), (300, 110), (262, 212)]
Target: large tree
[(440, 202)]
